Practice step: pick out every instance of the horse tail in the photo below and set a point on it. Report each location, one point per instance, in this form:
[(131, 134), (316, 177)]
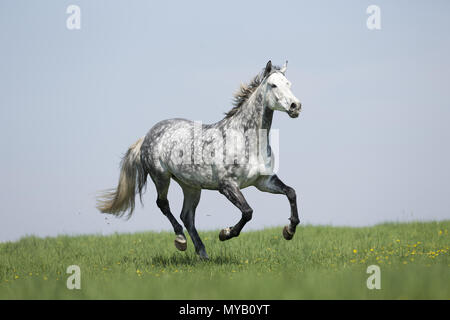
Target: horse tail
[(132, 180)]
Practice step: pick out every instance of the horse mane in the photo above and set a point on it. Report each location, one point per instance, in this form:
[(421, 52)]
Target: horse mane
[(246, 90)]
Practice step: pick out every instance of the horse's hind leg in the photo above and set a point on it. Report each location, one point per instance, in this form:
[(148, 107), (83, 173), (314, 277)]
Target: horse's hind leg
[(162, 183), (190, 202)]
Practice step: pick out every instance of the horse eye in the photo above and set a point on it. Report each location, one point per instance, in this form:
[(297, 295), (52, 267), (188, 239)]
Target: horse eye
[(273, 85)]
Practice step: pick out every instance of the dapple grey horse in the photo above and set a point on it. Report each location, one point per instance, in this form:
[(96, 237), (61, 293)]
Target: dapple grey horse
[(227, 156)]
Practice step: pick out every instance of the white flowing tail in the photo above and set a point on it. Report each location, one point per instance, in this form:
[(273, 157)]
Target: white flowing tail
[(132, 180)]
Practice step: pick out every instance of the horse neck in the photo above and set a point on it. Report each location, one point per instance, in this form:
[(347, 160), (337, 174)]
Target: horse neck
[(254, 114)]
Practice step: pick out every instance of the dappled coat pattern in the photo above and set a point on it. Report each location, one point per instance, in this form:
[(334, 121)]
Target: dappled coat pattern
[(227, 156)]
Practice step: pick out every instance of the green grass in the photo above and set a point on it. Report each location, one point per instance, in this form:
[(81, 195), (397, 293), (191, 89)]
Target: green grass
[(319, 263)]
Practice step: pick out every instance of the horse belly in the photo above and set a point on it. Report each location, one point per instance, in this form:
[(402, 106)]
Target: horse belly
[(200, 176), (184, 159), (202, 161), (210, 176)]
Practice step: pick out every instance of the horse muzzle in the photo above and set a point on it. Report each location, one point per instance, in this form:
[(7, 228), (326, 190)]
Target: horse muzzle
[(294, 110)]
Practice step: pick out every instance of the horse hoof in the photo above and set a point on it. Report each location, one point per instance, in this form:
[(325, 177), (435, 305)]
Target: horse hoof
[(180, 242), (287, 234), (224, 234), (203, 256)]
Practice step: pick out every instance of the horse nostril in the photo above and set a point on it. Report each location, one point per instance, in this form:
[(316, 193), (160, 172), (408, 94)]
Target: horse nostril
[(293, 106)]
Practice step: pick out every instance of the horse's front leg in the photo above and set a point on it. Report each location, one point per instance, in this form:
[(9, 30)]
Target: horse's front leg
[(273, 184), (232, 192)]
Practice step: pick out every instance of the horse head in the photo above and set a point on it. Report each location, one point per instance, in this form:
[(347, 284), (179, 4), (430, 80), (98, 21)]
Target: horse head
[(278, 94)]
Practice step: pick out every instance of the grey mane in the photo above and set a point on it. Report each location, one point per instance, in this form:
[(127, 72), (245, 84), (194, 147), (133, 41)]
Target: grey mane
[(245, 91)]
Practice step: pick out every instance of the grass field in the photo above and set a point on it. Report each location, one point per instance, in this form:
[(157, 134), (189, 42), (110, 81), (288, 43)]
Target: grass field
[(319, 263)]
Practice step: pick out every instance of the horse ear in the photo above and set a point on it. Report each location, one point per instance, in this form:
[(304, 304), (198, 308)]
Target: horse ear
[(268, 68), (284, 68)]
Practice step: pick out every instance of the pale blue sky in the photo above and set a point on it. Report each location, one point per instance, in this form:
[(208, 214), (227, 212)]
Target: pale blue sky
[(371, 145)]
